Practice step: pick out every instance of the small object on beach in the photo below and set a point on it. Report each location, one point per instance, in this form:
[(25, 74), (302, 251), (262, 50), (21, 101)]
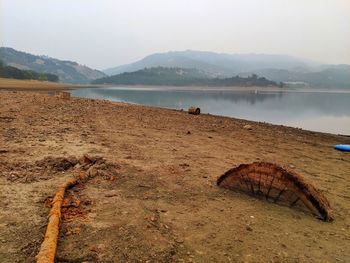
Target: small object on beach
[(194, 110), (248, 127), (342, 147), (63, 95), (275, 184)]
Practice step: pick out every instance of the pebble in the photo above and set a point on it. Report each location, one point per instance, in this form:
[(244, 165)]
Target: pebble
[(248, 127), (179, 240), (249, 228)]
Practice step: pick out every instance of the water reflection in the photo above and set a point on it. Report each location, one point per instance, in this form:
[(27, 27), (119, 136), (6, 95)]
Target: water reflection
[(320, 111)]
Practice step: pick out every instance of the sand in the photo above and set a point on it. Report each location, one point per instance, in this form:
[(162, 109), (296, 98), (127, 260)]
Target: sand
[(36, 85), (162, 203)]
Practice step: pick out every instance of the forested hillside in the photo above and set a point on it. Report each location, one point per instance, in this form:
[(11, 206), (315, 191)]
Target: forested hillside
[(15, 73), (180, 77)]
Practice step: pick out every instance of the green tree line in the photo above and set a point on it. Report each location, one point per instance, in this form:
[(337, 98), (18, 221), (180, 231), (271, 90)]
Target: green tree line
[(180, 77)]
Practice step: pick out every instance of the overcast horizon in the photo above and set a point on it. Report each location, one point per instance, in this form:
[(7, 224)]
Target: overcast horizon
[(104, 34)]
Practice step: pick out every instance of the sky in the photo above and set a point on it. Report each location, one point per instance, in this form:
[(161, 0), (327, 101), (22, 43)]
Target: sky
[(108, 33)]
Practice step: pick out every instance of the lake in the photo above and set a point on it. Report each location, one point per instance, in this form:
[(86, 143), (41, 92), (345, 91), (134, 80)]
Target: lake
[(316, 110)]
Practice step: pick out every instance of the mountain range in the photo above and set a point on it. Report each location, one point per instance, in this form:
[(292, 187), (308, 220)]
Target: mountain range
[(279, 68), (67, 71), (217, 64)]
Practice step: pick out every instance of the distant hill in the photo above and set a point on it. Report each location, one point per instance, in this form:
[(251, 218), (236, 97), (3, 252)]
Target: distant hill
[(67, 71), (325, 76), (215, 64), (279, 68), (180, 77), (15, 73)]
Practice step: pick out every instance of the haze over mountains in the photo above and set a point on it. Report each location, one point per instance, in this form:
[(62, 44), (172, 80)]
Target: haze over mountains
[(278, 68), (217, 64)]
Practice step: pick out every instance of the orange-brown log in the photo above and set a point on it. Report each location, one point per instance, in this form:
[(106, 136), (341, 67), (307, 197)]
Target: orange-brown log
[(274, 183), (194, 110), (48, 247)]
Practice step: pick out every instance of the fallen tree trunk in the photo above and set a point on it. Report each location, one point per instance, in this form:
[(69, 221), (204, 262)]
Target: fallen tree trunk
[(194, 110)]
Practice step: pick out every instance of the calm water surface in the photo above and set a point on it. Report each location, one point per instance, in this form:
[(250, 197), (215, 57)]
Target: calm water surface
[(311, 110)]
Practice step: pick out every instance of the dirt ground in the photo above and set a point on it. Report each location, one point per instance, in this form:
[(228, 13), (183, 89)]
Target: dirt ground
[(160, 203), (35, 85)]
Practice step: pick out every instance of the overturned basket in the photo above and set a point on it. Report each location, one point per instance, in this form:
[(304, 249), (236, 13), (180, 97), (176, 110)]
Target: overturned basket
[(276, 184)]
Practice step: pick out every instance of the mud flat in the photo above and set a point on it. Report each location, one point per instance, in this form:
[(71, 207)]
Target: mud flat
[(160, 203)]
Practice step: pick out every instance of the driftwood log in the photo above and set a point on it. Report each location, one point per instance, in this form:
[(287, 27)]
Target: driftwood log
[(194, 110), (48, 247), (273, 183)]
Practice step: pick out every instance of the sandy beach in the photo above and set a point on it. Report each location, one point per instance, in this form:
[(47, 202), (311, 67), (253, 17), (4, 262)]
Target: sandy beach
[(32, 85), (161, 202)]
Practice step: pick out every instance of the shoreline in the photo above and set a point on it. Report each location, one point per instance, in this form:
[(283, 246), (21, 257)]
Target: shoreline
[(233, 88), (7, 84), (34, 85), (47, 87), (240, 90)]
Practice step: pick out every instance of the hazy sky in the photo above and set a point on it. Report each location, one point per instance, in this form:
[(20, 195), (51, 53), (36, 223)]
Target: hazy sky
[(106, 33)]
